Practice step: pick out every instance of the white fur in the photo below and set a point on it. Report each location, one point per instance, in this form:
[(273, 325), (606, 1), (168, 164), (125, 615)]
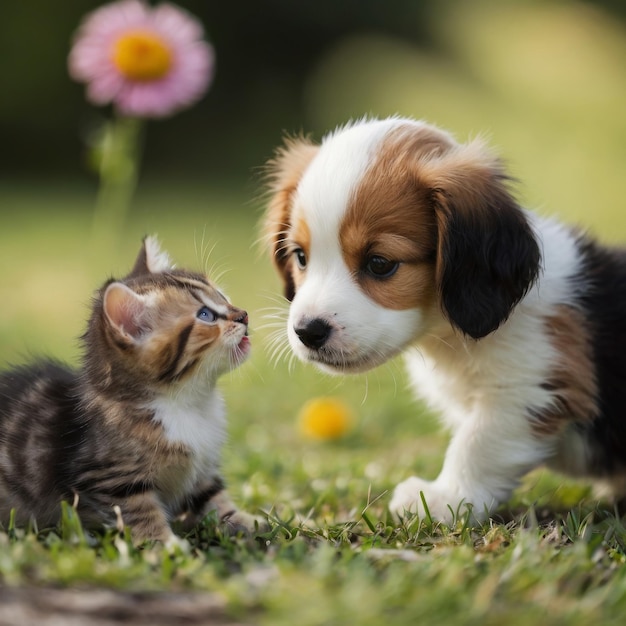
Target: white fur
[(194, 417), (157, 260), (481, 388), (329, 290), (345, 155)]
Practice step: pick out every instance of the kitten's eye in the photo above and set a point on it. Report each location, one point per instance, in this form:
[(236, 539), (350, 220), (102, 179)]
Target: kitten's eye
[(380, 267), (300, 257), (206, 315)]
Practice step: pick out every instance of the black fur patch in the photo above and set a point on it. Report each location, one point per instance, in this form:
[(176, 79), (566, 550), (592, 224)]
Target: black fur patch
[(602, 288), (197, 501), (181, 344), (488, 260)]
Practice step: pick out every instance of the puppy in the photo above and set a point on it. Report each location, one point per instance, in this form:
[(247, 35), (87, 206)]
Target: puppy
[(392, 237)]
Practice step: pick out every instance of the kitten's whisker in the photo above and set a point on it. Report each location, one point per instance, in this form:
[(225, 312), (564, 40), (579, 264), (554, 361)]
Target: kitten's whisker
[(218, 272), (274, 297), (275, 311), (204, 253), (209, 249)]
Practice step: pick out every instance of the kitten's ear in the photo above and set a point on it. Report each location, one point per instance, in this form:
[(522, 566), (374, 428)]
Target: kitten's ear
[(125, 311), (151, 259)]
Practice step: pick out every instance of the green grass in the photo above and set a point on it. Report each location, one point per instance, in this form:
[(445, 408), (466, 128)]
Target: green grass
[(334, 556)]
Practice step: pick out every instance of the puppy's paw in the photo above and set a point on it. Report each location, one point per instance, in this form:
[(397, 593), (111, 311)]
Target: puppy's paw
[(443, 506)]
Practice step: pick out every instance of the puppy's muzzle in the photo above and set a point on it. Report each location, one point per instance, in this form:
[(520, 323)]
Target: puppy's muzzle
[(313, 333)]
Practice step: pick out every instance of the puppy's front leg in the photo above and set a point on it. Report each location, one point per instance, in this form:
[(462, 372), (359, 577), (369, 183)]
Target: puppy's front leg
[(485, 460)]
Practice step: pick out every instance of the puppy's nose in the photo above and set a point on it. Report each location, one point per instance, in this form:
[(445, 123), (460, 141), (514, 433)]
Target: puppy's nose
[(314, 333)]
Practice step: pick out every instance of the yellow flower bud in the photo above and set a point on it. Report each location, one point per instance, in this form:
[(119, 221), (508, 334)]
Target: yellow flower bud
[(325, 419)]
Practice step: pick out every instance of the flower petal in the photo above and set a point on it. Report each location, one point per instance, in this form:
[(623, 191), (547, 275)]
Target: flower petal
[(91, 60), (176, 23)]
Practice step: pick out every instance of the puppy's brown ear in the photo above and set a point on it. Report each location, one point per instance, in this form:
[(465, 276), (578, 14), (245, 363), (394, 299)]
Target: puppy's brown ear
[(488, 256), (284, 173)]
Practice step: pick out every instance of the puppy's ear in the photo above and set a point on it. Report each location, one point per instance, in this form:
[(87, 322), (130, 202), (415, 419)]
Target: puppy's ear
[(487, 256), (284, 173)]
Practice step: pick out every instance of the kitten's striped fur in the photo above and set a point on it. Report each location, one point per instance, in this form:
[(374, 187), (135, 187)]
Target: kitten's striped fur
[(140, 425)]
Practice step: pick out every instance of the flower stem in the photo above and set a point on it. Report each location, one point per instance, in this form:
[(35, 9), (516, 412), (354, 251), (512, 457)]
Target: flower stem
[(118, 169)]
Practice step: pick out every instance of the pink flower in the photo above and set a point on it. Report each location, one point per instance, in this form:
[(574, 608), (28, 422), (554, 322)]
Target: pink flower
[(147, 61)]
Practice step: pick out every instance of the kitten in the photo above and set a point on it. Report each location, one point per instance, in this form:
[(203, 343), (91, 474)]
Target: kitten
[(141, 424)]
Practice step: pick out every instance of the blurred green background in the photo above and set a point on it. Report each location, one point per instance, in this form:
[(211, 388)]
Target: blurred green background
[(545, 81)]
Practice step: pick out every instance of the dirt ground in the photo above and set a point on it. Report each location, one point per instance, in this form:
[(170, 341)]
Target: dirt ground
[(99, 607)]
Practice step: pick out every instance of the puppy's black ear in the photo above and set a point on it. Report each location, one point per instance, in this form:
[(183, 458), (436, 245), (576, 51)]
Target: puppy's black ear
[(488, 256), (284, 173)]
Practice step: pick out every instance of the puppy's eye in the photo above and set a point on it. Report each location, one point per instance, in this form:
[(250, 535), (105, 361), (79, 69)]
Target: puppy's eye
[(206, 315), (300, 257), (380, 267)]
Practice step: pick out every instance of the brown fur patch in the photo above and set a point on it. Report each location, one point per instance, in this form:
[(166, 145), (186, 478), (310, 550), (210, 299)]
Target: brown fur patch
[(301, 236), (487, 255), (439, 210), (573, 382), (285, 172), (391, 215), (174, 342)]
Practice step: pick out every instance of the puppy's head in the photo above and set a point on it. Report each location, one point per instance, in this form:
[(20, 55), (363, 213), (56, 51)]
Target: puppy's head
[(386, 231)]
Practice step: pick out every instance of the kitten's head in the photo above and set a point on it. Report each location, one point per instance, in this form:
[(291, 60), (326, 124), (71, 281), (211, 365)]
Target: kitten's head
[(160, 326)]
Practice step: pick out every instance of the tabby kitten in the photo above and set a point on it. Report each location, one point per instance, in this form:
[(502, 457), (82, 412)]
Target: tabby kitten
[(141, 424)]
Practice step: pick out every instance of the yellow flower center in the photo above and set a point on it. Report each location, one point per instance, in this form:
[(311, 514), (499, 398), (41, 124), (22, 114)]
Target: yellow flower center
[(142, 56)]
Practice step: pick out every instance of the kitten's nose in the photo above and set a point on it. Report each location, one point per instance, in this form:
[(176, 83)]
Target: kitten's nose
[(239, 315), (314, 333)]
